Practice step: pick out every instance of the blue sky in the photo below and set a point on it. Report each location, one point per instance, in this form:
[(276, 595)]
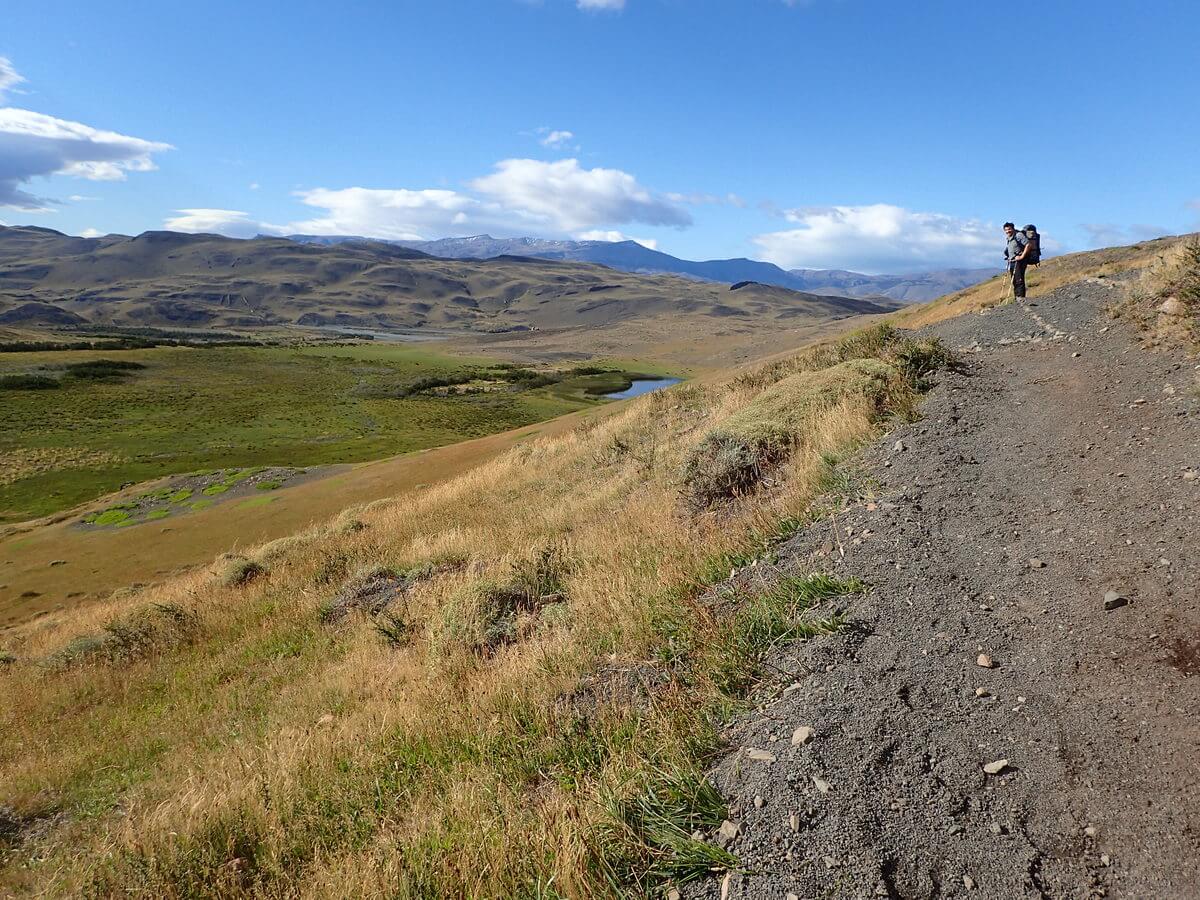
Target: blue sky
[(863, 134)]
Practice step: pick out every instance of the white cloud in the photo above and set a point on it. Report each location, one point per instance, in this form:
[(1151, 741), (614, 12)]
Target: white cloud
[(9, 76), (557, 138), (567, 197), (91, 233), (254, 185), (521, 197), (613, 5), (615, 236), (229, 222), (881, 238), (35, 145), (397, 214)]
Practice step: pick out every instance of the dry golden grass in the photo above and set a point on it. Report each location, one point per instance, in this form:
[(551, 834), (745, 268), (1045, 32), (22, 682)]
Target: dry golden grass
[(213, 736), (1164, 301)]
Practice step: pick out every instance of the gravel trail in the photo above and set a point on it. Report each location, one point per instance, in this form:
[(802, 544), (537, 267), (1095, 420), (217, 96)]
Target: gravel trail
[(1057, 474)]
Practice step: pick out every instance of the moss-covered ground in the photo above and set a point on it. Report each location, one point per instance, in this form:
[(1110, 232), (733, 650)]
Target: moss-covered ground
[(192, 408)]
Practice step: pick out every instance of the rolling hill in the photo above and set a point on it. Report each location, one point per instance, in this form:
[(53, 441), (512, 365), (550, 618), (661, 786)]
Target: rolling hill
[(630, 256), (176, 280)]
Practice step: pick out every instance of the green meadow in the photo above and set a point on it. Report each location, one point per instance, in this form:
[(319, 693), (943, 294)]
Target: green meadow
[(179, 409)]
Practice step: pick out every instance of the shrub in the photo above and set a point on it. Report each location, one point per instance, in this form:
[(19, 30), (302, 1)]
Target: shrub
[(27, 383), (238, 572), (724, 467), (103, 369), (153, 628), (731, 461)]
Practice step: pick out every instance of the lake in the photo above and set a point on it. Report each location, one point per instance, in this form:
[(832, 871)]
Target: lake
[(643, 386)]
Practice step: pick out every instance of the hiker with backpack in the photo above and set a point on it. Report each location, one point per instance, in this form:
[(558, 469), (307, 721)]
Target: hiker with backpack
[(1024, 249)]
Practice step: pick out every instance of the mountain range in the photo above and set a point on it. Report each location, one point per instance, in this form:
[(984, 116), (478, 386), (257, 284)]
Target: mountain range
[(630, 256), (170, 279)]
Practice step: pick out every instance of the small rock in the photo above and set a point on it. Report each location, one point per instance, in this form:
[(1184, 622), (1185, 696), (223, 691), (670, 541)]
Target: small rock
[(1035, 563), (725, 883), (794, 821), (1190, 475), (1173, 306), (58, 562), (984, 661), (1075, 355), (982, 692), (727, 832), (673, 894), (760, 755), (1090, 831), (996, 766), (1114, 600), (758, 801), (325, 719), (899, 447), (793, 897), (830, 862), (821, 784), (801, 735), (968, 882), (1104, 860)]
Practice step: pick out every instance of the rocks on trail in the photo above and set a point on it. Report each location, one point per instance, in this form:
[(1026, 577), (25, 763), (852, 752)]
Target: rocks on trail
[(1114, 600)]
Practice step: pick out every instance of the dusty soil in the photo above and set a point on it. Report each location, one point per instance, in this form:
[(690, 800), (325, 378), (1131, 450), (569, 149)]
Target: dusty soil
[(1060, 465)]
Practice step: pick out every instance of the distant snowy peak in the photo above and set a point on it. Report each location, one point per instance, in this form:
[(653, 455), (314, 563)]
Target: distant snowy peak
[(630, 256)]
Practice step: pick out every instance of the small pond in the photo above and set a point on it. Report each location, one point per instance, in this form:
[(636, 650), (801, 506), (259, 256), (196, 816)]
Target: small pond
[(643, 386)]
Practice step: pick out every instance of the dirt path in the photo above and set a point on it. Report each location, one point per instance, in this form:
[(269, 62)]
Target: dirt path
[(1055, 469)]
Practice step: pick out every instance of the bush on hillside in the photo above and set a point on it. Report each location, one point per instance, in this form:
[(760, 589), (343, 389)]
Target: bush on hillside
[(27, 383), (151, 629), (875, 365), (103, 369)]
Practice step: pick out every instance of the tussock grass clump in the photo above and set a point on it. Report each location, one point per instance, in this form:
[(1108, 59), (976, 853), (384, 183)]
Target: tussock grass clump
[(646, 838), (240, 571), (283, 547)]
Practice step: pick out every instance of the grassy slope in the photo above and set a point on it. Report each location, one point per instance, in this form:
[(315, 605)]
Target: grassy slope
[(252, 749), (97, 562), (434, 764), (199, 408)]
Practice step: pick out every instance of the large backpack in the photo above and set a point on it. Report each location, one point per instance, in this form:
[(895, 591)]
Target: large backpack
[(1035, 245)]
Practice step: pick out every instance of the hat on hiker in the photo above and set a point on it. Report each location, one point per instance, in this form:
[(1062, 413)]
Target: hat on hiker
[(1030, 228)]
